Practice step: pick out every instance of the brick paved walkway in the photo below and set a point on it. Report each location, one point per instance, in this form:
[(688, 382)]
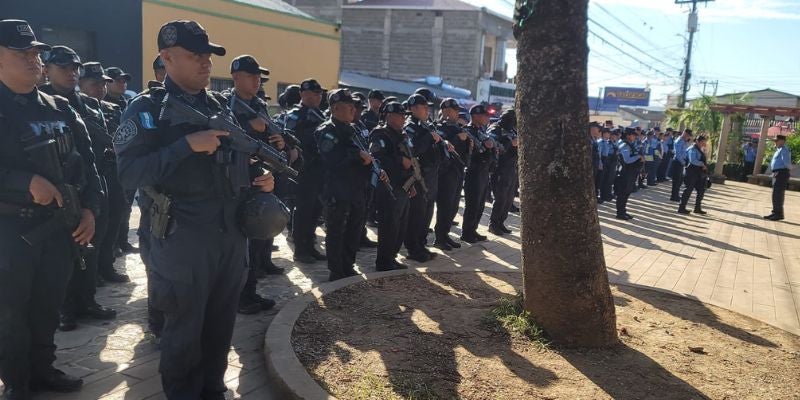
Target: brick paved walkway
[(731, 257)]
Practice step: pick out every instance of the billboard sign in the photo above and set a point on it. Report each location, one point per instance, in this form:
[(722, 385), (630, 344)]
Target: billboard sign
[(622, 96)]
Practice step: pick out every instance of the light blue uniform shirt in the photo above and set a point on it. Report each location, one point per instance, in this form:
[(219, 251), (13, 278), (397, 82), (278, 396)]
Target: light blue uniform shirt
[(625, 151), (782, 159), (680, 151), (693, 153)]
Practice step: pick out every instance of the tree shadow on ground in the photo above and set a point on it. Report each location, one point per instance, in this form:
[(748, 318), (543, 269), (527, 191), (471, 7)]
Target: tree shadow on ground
[(674, 305)]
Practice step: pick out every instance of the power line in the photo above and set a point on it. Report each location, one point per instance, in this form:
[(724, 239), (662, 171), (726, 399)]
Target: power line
[(629, 44), (621, 22), (605, 41)]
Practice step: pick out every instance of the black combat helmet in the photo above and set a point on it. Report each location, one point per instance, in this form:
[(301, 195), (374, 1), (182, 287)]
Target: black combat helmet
[(263, 216)]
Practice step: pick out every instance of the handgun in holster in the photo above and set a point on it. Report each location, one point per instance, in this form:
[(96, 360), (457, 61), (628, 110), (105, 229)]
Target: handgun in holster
[(159, 212)]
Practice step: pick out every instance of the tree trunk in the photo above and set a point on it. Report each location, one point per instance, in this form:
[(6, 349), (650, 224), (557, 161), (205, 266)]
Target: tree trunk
[(565, 280)]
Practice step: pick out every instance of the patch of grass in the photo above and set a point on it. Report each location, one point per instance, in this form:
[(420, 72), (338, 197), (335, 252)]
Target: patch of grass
[(374, 387), (510, 316)]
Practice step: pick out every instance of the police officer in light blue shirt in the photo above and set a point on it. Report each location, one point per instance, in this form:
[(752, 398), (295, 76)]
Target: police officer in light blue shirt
[(679, 163), (632, 161), (696, 175), (780, 165), (667, 144)]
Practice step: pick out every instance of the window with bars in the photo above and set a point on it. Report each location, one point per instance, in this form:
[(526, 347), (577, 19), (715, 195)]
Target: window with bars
[(221, 84)]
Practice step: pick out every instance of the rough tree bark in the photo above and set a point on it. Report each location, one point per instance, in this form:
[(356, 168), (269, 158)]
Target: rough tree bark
[(565, 282)]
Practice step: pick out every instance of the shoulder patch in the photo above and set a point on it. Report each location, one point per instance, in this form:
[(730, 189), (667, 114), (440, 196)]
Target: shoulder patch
[(126, 132), (327, 142), (146, 120)]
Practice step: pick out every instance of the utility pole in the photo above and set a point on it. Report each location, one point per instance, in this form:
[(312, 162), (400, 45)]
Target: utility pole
[(692, 27), (713, 84)]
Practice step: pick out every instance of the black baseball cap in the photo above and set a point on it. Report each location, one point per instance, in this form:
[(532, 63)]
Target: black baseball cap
[(94, 70), (427, 93), (594, 124), (158, 63), (359, 99), (189, 35), (478, 109), (117, 73), (311, 84), (449, 103), (62, 55), (393, 107), (16, 34), (248, 63), (417, 99), (340, 96), (375, 94)]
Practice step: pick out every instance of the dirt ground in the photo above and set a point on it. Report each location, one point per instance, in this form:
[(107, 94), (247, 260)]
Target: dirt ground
[(429, 337)]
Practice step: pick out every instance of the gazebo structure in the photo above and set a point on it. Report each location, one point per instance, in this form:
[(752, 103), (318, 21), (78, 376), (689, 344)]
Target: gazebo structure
[(767, 114)]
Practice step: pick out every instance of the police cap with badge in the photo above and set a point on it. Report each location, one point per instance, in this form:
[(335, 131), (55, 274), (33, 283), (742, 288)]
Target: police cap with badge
[(16, 34), (248, 63), (94, 70)]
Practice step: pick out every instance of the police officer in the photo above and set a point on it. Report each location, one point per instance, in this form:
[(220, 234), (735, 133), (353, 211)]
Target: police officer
[(451, 174), (302, 122), (46, 163), (631, 160), (63, 69), (749, 152), (347, 175), (504, 178), (116, 89), (387, 145), (371, 117), (611, 141), (668, 141), (780, 165), (362, 134), (424, 142), (679, 163), (197, 251), (597, 156), (652, 148), (696, 175), (247, 75), (476, 180), (93, 83)]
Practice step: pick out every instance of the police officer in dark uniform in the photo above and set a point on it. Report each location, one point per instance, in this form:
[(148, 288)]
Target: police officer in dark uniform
[(63, 69), (504, 178), (451, 174), (243, 101), (371, 117), (93, 83), (347, 176), (387, 145), (476, 180), (424, 141), (116, 89), (50, 194), (197, 250), (362, 134), (302, 122), (631, 160)]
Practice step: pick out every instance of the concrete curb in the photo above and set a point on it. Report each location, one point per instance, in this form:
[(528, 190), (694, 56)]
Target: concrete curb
[(294, 382), (285, 370)]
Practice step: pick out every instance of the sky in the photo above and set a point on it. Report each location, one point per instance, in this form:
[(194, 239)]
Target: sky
[(745, 45)]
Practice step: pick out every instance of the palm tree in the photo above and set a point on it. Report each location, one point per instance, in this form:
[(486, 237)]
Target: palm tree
[(565, 279)]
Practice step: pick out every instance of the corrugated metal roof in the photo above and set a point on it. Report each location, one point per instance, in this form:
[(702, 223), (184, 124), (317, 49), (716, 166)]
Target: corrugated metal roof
[(276, 5), (356, 80)]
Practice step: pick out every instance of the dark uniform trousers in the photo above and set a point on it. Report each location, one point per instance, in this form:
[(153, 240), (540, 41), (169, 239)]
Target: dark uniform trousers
[(780, 182), (83, 283), (392, 224), (476, 183), (628, 177), (504, 184), (118, 209), (451, 182), (676, 173), (661, 174), (196, 276), (695, 180), (32, 288), (610, 168), (420, 213), (344, 219), (308, 207)]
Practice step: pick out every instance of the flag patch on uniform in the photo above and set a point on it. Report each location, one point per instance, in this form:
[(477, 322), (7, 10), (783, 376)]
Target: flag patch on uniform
[(146, 120)]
